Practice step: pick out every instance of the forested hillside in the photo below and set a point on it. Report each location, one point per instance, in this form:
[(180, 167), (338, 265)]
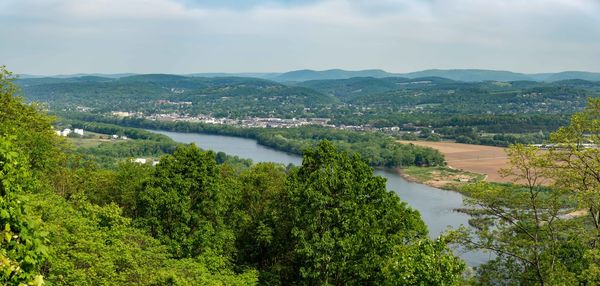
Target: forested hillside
[(491, 112), (192, 221), (224, 97)]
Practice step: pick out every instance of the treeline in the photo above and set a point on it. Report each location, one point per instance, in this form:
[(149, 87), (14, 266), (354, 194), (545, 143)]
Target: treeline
[(192, 221), (377, 149), (141, 143)]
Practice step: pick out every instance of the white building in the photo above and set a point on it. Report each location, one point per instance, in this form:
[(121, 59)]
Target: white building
[(78, 131), (140, 160), (66, 132)]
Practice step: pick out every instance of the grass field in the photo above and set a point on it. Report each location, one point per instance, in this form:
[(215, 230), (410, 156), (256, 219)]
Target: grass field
[(91, 139), (479, 159), (88, 142)]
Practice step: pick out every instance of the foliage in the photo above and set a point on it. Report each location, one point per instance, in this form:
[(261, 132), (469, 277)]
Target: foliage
[(21, 247), (577, 159), (424, 262), (184, 204), (221, 96), (344, 223), (524, 227), (93, 245), (31, 129), (262, 235), (495, 113), (536, 233), (378, 149)]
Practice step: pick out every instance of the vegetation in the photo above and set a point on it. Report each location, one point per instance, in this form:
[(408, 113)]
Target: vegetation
[(378, 149), (489, 112), (537, 231), (441, 177), (107, 153), (197, 218), (191, 221)]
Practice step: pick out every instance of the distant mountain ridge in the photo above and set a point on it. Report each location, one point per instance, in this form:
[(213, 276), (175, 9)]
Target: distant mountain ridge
[(466, 75), (114, 75), (304, 75)]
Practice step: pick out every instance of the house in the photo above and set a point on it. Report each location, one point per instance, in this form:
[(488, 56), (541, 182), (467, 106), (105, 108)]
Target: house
[(78, 131), (66, 132), (121, 114), (115, 136), (140, 160)]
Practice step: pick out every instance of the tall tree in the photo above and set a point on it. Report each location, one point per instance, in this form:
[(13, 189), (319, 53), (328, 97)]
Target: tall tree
[(31, 129), (345, 224), (184, 204), (576, 158), (576, 167), (523, 225), (533, 227)]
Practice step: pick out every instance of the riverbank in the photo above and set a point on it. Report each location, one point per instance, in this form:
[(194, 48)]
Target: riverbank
[(379, 150), (478, 159), (439, 177)]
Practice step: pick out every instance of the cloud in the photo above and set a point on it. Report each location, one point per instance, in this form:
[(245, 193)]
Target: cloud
[(180, 36)]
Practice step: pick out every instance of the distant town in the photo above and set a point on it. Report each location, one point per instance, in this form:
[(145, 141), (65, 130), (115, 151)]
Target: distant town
[(268, 122)]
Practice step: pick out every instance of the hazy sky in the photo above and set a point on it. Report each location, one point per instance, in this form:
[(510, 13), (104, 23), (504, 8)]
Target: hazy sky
[(187, 36)]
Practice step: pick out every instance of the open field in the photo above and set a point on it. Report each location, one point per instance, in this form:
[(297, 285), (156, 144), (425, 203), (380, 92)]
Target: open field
[(88, 142), (480, 159), (91, 139)]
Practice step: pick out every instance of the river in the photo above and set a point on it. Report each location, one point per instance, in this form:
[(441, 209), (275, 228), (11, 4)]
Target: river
[(435, 205)]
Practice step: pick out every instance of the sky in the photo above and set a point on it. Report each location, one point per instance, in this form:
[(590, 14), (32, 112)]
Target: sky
[(47, 37)]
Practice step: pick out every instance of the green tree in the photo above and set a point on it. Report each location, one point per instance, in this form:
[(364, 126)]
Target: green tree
[(96, 245), (185, 205), (21, 248), (345, 224), (31, 129), (525, 226), (576, 159), (423, 262), (575, 167), (260, 235)]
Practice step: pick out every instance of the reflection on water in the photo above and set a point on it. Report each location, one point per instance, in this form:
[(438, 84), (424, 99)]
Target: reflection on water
[(436, 206)]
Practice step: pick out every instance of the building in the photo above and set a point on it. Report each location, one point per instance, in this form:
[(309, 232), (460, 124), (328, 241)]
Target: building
[(78, 131)]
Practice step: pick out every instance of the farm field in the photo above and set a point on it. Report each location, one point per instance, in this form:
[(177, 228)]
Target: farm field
[(487, 160)]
